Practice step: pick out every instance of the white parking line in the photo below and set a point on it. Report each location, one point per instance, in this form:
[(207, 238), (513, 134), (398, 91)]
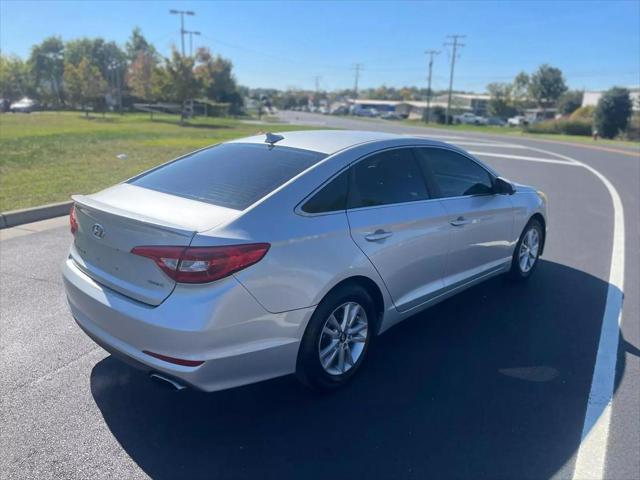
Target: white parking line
[(523, 157), (592, 453)]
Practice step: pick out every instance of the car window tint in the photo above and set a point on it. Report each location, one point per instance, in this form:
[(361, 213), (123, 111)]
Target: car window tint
[(385, 178), (330, 198), (453, 174), (232, 175)]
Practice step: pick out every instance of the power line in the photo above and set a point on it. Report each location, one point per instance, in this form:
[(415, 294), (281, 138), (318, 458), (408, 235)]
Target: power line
[(431, 54), (455, 44)]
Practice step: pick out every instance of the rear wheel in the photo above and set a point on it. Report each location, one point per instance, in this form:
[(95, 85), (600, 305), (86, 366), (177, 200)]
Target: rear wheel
[(527, 251), (337, 339)]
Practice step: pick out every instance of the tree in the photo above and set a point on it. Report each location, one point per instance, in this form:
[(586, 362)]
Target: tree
[(613, 112), (215, 76), (500, 103), (106, 56), (137, 43), (145, 78), (184, 84), (547, 85), (570, 102), (84, 83), (520, 89), (46, 63), (15, 78)]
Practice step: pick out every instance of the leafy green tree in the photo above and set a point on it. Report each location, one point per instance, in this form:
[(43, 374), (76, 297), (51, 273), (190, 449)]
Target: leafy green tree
[(184, 84), (84, 83), (613, 112), (547, 85), (46, 63), (138, 43), (215, 76), (500, 103), (570, 102), (145, 78), (15, 78)]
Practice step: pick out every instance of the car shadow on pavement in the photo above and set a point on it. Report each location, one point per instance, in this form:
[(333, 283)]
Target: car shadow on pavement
[(492, 383)]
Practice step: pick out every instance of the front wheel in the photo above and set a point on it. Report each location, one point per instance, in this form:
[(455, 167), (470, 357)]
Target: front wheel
[(337, 339), (527, 251)]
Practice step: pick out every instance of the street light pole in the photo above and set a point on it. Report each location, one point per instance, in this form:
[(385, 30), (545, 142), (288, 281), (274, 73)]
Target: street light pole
[(182, 13), (191, 34)]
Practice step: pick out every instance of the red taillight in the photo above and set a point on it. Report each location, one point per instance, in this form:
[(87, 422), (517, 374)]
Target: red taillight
[(73, 221), (177, 361), (203, 264)]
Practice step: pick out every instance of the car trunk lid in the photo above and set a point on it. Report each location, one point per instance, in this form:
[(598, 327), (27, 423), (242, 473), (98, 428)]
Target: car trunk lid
[(113, 222)]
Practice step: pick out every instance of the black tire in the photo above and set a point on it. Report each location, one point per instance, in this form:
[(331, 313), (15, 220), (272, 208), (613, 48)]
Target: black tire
[(309, 369), (516, 272)]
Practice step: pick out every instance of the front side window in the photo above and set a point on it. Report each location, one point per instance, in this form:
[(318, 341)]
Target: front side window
[(385, 178), (454, 175), (232, 175)]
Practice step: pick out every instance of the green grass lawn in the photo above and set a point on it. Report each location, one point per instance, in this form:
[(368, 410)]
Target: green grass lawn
[(45, 157), (517, 132)]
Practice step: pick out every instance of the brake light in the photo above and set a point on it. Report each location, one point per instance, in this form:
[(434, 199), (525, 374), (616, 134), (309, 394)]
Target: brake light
[(203, 264), (73, 221)]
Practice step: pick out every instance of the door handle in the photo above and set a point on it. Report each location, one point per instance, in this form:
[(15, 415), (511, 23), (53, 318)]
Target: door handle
[(460, 221), (377, 235)]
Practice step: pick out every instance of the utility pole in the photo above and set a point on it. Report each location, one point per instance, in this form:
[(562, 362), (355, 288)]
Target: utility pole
[(182, 13), (357, 68), (191, 34), (317, 83), (431, 54), (455, 44)]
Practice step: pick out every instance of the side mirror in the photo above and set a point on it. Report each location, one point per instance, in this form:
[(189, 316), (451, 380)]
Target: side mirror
[(503, 187)]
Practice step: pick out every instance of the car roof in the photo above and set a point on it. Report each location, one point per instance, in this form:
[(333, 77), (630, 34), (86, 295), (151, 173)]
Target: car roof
[(327, 141)]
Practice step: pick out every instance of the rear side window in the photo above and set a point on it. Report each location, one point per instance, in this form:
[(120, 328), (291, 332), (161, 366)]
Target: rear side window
[(330, 198), (232, 175), (385, 178), (454, 175)]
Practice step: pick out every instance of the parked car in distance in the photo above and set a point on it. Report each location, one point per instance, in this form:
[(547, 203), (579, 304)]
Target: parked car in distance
[(518, 121), (281, 254), (340, 110), (391, 116), (497, 121), (24, 105), (365, 112), (468, 118)]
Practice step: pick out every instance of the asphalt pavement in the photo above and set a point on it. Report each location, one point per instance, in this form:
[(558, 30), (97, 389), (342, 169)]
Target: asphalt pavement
[(493, 383)]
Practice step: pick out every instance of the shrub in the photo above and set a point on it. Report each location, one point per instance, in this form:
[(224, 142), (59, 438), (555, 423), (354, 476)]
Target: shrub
[(613, 112), (583, 113), (562, 126)]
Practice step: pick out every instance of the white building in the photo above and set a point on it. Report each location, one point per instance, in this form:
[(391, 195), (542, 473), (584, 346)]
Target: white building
[(590, 99)]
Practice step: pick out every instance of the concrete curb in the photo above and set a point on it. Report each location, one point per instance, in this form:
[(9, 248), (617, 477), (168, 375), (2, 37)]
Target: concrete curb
[(28, 215)]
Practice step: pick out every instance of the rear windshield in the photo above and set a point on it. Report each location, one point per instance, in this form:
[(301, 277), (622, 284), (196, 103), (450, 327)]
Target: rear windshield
[(232, 175)]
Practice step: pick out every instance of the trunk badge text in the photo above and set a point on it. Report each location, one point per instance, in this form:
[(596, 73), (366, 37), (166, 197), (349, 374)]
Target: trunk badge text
[(97, 230)]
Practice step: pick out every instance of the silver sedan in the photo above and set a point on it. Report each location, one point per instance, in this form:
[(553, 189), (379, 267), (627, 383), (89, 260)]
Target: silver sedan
[(281, 254)]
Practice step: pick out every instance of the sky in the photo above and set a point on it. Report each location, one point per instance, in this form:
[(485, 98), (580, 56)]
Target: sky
[(288, 44)]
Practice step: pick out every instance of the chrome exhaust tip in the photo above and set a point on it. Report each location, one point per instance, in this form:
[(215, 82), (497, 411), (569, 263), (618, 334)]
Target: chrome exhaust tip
[(167, 381)]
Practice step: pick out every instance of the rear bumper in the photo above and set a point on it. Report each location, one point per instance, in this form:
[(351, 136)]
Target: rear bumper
[(220, 324)]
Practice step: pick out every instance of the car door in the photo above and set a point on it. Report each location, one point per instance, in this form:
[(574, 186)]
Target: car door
[(481, 220), (398, 226)]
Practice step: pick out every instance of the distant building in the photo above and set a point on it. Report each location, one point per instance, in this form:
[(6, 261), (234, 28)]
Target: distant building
[(590, 99)]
